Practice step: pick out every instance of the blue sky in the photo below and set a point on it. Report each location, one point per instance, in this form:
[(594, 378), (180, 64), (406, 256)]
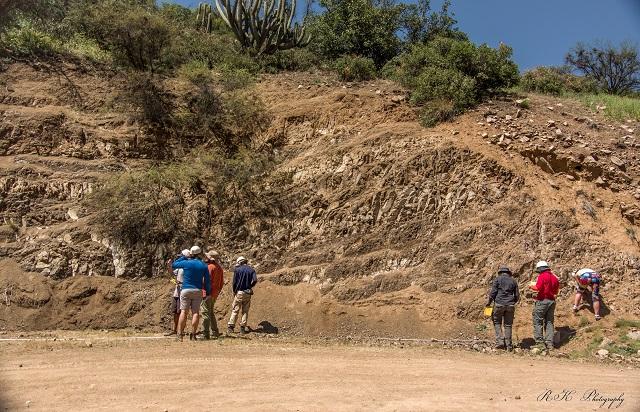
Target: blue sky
[(541, 31)]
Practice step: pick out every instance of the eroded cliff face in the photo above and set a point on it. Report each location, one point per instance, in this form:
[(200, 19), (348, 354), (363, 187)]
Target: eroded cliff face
[(364, 208)]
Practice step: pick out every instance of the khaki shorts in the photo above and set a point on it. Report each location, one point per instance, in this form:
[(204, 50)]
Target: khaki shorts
[(191, 299)]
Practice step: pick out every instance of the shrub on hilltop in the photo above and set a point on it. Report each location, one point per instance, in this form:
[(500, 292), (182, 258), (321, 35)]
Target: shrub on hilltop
[(449, 75), (555, 81)]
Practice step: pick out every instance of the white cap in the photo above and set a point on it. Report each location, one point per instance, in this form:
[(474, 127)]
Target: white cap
[(583, 271), (186, 253), (240, 260), (195, 250), (542, 264)]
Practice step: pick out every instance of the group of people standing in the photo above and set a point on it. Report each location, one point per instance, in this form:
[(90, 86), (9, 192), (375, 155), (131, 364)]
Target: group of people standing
[(505, 294), (199, 280)]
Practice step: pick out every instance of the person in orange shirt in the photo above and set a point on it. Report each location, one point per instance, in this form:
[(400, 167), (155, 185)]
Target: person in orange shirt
[(209, 324)]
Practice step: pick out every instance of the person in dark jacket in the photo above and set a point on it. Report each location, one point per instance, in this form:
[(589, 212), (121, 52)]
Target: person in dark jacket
[(244, 279), (504, 295)]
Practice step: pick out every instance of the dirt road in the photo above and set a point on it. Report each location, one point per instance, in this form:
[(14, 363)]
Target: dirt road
[(273, 374)]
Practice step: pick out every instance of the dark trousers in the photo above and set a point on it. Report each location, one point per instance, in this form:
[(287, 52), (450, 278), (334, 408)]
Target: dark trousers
[(543, 313), (503, 315)]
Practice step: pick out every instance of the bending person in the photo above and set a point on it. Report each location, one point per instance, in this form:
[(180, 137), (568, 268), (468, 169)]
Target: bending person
[(588, 279)]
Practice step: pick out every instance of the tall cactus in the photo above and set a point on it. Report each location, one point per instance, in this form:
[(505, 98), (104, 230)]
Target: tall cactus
[(263, 26), (205, 18)]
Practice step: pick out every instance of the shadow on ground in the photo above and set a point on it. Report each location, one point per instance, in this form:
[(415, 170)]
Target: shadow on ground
[(266, 327)]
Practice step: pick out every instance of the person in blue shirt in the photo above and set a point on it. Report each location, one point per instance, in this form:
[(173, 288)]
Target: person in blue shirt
[(244, 279), (195, 280)]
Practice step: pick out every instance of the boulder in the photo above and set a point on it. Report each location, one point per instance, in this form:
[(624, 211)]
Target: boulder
[(617, 161), (634, 334)]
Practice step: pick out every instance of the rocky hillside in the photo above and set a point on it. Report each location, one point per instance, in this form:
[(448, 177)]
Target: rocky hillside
[(368, 224)]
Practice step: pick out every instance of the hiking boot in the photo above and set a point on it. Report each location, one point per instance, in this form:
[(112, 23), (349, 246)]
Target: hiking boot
[(499, 346), (173, 332), (598, 317), (243, 330), (230, 329), (575, 309), (509, 348)]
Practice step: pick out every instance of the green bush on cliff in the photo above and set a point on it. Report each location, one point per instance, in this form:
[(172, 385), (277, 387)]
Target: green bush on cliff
[(150, 204), (449, 75), (354, 68), (555, 81)]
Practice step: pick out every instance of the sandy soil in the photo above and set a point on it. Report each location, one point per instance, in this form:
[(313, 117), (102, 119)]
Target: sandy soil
[(118, 373)]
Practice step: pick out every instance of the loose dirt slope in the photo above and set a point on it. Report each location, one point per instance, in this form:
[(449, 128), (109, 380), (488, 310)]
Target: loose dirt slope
[(376, 226)]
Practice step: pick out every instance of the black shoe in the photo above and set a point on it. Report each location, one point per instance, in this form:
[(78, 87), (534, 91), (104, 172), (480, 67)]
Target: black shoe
[(243, 330), (230, 329)]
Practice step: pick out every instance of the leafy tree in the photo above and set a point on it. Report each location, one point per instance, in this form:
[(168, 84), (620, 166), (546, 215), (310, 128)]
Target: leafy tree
[(616, 70), (421, 24), (364, 28)]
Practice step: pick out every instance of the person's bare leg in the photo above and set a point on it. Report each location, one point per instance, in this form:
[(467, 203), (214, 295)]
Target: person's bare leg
[(195, 321), (176, 319), (576, 301), (596, 307), (182, 322)]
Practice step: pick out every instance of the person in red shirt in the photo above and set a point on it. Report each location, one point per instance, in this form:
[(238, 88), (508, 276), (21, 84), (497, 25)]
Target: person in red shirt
[(209, 324), (547, 286)]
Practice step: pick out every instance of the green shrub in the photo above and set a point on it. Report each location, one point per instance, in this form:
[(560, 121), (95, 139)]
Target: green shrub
[(215, 49), (136, 35), (148, 205), (555, 81), (365, 28), (84, 47), (244, 116), (230, 119), (25, 39), (149, 102), (195, 71), (354, 68), (627, 323), (299, 59), (235, 78), (449, 75), (437, 111), (436, 83)]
